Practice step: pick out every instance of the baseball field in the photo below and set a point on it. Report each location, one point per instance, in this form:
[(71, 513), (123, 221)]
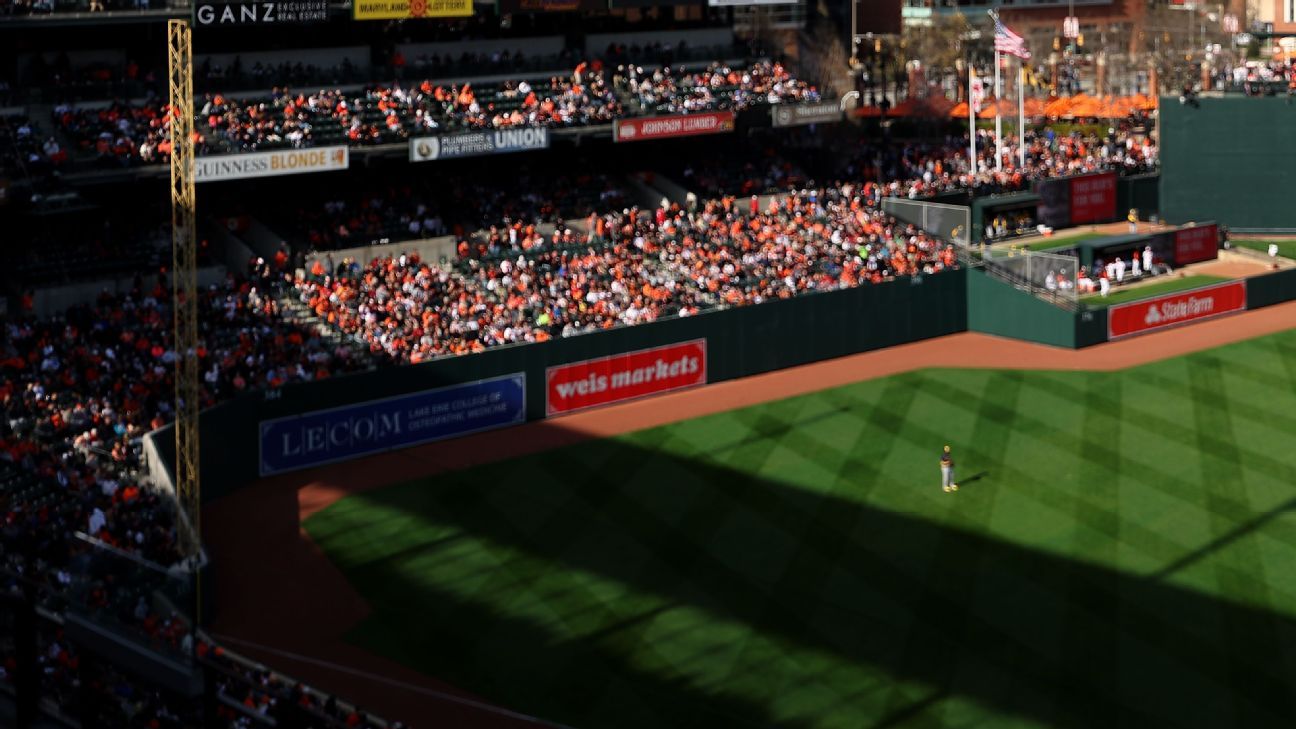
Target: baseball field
[(1122, 552)]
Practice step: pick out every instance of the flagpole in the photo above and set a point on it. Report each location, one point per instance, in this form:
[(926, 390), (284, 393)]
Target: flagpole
[(972, 160), (998, 116), (1021, 113)]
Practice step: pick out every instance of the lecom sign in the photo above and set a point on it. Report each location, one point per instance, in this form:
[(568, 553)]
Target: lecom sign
[(622, 377), (1170, 310)]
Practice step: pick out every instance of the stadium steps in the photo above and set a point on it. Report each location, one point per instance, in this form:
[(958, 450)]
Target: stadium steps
[(301, 314)]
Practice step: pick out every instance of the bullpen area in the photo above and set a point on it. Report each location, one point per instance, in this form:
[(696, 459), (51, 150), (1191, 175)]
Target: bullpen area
[(1114, 557)]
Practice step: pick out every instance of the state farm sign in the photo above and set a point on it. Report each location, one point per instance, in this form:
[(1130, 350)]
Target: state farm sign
[(622, 377), (665, 127), (1149, 315)]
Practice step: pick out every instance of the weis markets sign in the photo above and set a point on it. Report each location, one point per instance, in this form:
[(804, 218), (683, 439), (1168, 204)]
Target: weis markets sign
[(270, 164), (1093, 198), (473, 144), (399, 9), (793, 115), (1198, 243), (626, 376), (1150, 315), (665, 127), (260, 13), (351, 431)]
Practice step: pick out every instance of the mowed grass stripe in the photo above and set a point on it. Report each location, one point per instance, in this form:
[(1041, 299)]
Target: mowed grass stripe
[(795, 563), (1238, 569)]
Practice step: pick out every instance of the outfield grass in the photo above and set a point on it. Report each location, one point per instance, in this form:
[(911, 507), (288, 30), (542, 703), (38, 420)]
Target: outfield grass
[(1122, 553), (1286, 248), (1170, 285)]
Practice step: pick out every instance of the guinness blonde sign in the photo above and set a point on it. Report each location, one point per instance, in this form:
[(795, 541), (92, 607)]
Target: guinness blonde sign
[(270, 164)]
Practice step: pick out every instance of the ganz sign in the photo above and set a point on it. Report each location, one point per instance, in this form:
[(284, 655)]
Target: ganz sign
[(261, 13)]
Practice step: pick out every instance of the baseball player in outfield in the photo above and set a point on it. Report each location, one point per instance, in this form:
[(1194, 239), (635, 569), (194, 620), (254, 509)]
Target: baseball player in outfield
[(947, 471)]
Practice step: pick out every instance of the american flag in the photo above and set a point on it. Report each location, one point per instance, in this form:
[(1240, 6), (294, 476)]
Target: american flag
[(1009, 42)]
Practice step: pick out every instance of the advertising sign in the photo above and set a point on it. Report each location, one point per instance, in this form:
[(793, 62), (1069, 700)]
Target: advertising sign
[(250, 12), (794, 115), (665, 127), (1140, 317), (351, 431), (472, 144), (549, 6), (622, 377), (400, 9), (1199, 243), (1093, 198), (270, 164)]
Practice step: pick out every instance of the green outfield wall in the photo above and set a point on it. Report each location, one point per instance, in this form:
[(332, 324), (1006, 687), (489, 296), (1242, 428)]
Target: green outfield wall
[(1141, 192), (997, 307), (740, 342), (1229, 159), (1274, 288)]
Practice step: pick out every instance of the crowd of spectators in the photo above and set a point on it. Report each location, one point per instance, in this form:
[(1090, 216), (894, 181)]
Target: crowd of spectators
[(511, 207), (625, 268), (46, 7), (1259, 78), (78, 392), (718, 86), (139, 133), (917, 170), (25, 149)]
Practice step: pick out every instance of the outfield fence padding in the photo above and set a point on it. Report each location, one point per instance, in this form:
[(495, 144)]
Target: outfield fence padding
[(1228, 159), (998, 307), (734, 343), (739, 342), (1273, 288)]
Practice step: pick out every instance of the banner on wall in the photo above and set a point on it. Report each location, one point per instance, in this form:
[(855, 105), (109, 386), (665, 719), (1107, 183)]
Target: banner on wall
[(259, 12), (401, 9), (473, 144), (1140, 317), (549, 6), (342, 433), (666, 127), (1093, 198), (270, 164), (795, 115), (621, 377), (1197, 243)]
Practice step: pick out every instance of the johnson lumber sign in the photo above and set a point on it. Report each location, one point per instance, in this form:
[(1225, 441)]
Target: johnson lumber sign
[(270, 164), (665, 127)]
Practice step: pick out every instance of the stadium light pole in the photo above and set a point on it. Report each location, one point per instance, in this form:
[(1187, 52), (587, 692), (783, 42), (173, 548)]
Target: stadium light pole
[(184, 280)]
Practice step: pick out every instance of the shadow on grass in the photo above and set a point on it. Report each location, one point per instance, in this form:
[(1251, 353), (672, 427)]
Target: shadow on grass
[(1023, 632)]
